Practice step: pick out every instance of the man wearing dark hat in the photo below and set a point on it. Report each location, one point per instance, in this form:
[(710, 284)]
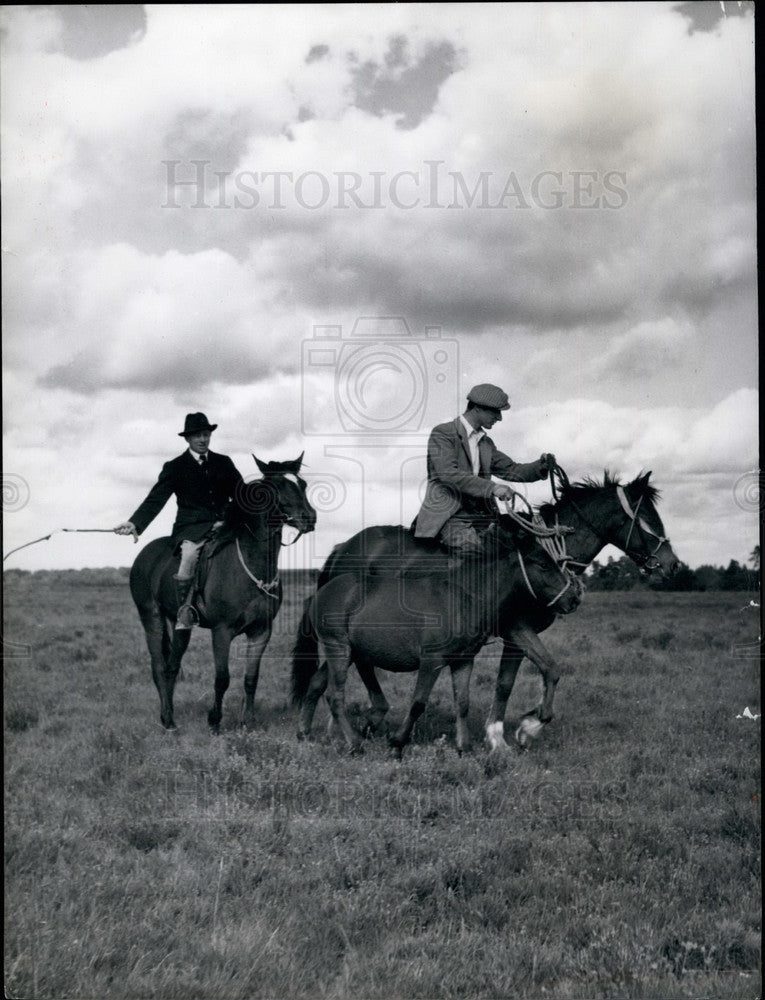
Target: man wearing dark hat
[(203, 483), (459, 501)]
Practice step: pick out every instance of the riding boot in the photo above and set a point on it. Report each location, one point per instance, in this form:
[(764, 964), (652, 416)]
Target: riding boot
[(187, 615)]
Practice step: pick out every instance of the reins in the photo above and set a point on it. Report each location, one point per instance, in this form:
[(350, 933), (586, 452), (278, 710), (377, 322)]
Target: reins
[(265, 587), (552, 540), (641, 524), (565, 573)]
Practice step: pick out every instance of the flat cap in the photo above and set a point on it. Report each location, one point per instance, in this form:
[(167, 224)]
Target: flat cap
[(489, 395)]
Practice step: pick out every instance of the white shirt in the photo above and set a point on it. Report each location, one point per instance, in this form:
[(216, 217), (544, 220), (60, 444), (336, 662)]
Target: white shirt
[(199, 459), (473, 436)]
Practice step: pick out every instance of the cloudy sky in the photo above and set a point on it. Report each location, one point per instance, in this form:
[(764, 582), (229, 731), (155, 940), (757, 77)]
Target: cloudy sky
[(322, 224)]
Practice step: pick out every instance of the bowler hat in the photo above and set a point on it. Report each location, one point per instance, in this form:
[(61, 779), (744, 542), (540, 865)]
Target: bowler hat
[(196, 422), (490, 396)]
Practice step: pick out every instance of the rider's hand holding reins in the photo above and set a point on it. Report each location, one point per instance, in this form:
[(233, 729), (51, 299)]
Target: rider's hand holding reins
[(547, 463), (126, 528), (502, 492)]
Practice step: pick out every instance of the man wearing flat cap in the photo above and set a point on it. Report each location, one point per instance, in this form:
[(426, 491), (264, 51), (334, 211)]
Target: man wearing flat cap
[(459, 502), (203, 483)]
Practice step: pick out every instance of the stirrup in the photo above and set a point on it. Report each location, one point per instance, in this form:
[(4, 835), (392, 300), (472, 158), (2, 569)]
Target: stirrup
[(187, 617)]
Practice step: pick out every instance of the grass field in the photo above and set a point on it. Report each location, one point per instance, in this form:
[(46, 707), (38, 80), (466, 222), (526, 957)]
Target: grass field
[(619, 857)]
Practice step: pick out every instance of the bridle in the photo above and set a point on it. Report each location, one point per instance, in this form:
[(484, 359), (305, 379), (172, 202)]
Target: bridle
[(277, 522), (278, 516), (650, 562), (646, 559)]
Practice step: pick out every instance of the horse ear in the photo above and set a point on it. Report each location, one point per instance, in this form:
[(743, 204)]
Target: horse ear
[(640, 483), (261, 465), (293, 466)]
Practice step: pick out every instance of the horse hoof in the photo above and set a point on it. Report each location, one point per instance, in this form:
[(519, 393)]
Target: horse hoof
[(357, 750), (169, 728), (528, 730)]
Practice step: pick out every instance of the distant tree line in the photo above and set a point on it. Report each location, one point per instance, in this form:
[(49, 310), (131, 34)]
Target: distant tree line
[(616, 574), (108, 576), (623, 574)]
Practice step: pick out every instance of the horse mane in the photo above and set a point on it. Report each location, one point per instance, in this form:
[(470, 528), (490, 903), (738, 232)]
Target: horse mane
[(588, 487), (237, 509)]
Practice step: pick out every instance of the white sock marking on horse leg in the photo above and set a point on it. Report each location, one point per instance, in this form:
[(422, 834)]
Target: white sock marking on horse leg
[(495, 735), (531, 726)]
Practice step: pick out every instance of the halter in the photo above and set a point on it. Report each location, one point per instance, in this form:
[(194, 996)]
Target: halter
[(650, 562)]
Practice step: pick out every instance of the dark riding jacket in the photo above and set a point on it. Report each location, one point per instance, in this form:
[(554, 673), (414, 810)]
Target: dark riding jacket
[(453, 488), (202, 492)]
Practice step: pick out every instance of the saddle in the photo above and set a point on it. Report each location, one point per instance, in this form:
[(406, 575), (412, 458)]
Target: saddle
[(212, 546)]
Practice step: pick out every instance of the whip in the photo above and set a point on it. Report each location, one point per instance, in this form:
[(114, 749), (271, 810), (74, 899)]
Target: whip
[(55, 532)]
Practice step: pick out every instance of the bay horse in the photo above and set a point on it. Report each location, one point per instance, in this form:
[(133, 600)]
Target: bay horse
[(599, 514), (418, 621), (241, 591)]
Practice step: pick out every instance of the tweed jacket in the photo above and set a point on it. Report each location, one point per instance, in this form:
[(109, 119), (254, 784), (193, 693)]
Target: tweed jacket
[(202, 494), (452, 486)]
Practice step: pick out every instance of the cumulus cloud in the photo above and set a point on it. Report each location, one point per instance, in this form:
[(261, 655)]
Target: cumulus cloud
[(138, 321), (649, 346)]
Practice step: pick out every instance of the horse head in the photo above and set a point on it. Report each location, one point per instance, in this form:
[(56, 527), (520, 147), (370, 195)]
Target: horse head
[(621, 515), (641, 534), (278, 498)]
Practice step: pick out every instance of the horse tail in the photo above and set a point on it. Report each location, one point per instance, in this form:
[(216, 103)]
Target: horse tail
[(305, 655)]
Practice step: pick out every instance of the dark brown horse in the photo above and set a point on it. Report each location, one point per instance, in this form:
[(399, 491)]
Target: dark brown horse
[(418, 621), (241, 591), (599, 514)]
